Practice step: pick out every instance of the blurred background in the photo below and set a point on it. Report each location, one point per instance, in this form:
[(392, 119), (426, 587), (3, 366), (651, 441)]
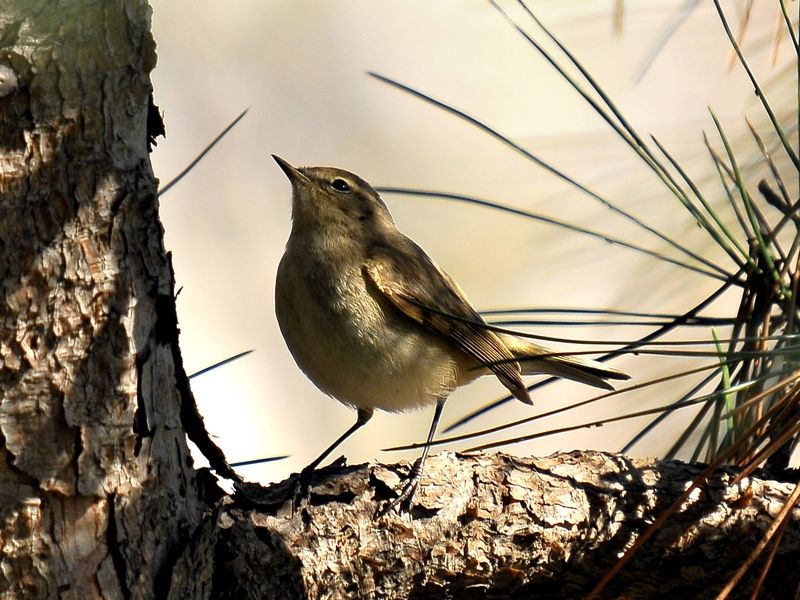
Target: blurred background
[(301, 68)]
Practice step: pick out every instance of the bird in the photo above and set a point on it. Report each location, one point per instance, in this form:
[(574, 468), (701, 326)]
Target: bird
[(375, 323)]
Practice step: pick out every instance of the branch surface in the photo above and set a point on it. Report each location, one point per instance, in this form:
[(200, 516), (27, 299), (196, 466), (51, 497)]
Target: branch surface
[(489, 525)]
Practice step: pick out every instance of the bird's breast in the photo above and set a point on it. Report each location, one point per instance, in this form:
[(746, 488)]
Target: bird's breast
[(351, 342)]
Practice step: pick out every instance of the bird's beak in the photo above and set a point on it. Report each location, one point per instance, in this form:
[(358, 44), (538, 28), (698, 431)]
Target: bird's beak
[(294, 175)]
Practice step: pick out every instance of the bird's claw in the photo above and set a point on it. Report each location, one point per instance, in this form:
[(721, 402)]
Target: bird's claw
[(402, 503)]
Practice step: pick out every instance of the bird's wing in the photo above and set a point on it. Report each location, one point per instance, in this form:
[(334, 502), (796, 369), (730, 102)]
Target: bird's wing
[(430, 297)]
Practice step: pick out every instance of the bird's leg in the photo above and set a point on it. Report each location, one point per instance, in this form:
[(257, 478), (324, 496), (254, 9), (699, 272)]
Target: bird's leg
[(364, 415), (412, 481)]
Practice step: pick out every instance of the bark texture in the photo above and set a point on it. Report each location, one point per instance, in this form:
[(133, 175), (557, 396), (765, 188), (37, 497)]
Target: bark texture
[(97, 493), (490, 526)]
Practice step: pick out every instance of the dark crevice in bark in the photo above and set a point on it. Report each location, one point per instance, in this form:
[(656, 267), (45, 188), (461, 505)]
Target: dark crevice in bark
[(345, 497), (77, 450), (114, 209), (163, 576), (115, 549), (265, 499), (21, 475), (140, 427), (383, 491)]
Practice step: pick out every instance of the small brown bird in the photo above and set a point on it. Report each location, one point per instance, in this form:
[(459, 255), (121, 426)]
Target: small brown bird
[(375, 323)]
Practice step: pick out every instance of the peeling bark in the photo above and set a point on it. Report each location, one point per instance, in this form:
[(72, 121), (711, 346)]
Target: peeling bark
[(489, 526)]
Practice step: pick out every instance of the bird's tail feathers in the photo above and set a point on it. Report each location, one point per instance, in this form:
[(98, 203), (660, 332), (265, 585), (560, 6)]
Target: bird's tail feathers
[(535, 359)]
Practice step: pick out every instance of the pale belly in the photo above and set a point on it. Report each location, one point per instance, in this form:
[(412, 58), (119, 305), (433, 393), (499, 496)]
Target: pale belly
[(356, 347)]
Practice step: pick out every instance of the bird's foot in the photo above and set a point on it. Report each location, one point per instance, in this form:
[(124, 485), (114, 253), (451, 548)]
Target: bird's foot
[(402, 503), (301, 490), (301, 496)]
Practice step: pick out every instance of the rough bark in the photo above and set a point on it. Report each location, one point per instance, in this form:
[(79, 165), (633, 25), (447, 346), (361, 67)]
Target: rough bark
[(489, 526), (97, 494)]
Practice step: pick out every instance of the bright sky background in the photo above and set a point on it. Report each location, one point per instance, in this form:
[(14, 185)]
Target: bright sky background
[(300, 66)]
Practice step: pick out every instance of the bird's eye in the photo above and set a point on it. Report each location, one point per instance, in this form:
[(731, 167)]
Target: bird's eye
[(340, 185)]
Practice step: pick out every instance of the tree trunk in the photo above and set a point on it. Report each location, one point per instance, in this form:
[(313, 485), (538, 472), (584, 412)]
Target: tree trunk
[(98, 497), (97, 493)]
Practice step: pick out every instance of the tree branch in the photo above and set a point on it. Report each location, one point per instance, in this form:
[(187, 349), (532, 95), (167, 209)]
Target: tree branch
[(488, 526)]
